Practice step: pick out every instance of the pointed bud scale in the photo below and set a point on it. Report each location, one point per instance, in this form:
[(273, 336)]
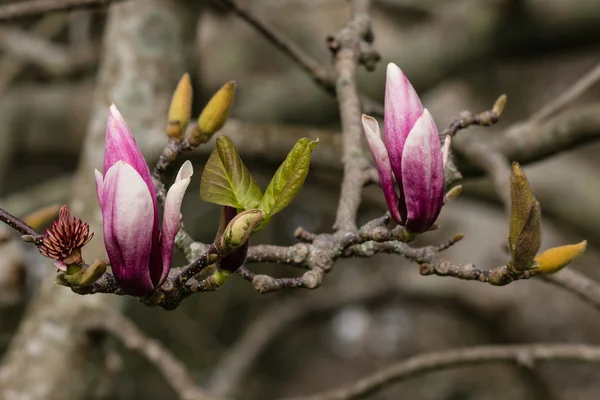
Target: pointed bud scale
[(521, 203), (214, 115), (139, 256), (499, 105), (554, 259), (181, 109), (529, 240), (453, 193)]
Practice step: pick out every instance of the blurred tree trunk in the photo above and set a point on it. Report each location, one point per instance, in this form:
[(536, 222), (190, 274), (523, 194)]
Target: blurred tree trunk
[(49, 356)]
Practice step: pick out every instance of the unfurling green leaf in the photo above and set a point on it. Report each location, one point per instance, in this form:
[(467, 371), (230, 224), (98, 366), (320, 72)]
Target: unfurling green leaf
[(554, 259), (528, 241), (226, 180), (288, 179)]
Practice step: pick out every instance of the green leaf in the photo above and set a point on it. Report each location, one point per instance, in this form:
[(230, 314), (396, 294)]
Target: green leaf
[(288, 179), (226, 180)]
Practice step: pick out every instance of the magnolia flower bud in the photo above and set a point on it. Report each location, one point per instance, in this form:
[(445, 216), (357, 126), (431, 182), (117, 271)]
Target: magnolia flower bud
[(138, 247), (180, 110), (214, 115), (410, 153)]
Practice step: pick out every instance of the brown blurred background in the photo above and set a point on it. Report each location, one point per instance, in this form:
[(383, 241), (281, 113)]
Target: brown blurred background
[(459, 55)]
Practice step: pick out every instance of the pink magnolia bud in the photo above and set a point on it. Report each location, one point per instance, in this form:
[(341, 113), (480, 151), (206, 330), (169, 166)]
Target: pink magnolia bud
[(140, 256), (411, 154)]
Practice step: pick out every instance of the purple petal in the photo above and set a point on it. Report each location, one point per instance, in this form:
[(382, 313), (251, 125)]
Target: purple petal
[(172, 218), (121, 145), (382, 162), (423, 175), (128, 213), (402, 109)]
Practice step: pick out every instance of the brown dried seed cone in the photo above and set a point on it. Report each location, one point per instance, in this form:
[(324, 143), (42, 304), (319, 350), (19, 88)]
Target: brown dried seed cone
[(66, 235)]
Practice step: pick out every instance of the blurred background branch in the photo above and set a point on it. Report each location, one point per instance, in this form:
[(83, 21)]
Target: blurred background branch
[(459, 54)]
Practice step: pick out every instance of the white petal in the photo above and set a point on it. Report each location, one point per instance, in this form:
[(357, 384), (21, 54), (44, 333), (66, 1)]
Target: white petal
[(99, 185), (172, 215)]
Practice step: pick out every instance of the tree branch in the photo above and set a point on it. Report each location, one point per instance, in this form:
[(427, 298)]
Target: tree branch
[(173, 370), (20, 226), (525, 355), (575, 90), (319, 74), (350, 46), (22, 9)]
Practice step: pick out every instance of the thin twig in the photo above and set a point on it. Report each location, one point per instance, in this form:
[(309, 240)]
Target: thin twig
[(228, 374), (318, 73), (22, 9), (173, 370), (585, 288), (490, 160), (525, 355), (568, 96), (20, 226)]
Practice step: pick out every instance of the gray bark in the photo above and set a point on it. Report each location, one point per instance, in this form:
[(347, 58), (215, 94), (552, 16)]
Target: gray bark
[(49, 356)]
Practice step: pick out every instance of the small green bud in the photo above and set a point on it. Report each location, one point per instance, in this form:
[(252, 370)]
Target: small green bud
[(499, 105), (78, 276), (92, 273), (453, 193), (239, 229), (220, 276)]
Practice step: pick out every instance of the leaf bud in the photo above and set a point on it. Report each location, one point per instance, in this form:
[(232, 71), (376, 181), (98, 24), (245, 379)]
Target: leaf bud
[(180, 110), (214, 115)]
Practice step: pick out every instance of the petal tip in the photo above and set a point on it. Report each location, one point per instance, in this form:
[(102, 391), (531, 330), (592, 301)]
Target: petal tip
[(185, 172)]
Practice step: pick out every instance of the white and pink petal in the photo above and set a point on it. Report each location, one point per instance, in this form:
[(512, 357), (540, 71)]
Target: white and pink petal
[(172, 216), (382, 163), (128, 214)]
